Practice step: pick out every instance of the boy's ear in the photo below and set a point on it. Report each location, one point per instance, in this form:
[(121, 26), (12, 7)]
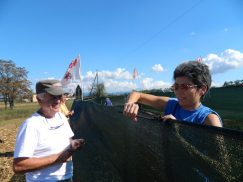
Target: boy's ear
[(204, 89)]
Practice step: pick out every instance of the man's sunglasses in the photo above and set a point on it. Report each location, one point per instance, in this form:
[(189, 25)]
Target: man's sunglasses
[(54, 98), (183, 86)]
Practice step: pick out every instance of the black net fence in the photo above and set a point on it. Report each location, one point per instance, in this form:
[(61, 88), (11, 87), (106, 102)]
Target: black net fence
[(118, 149)]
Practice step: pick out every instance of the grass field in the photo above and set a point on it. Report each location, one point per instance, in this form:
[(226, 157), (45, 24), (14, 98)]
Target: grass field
[(228, 102)]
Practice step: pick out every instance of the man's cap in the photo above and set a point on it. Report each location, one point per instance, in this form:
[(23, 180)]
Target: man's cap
[(51, 86)]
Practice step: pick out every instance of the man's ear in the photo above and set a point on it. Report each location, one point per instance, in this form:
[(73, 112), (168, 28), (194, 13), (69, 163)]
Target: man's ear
[(39, 100)]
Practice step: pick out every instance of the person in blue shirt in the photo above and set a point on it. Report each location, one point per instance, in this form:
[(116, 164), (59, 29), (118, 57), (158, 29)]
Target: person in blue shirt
[(108, 102), (192, 81)]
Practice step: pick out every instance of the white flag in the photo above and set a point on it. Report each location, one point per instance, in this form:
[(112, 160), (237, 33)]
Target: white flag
[(72, 77)]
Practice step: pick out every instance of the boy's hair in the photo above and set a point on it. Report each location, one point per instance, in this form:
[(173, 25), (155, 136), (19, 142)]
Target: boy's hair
[(195, 71)]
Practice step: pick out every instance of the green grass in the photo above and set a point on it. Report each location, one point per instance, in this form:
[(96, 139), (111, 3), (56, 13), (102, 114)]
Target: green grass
[(20, 112)]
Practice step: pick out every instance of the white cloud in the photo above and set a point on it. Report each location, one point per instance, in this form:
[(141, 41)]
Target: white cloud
[(119, 73), (49, 78), (150, 83), (112, 85), (229, 59), (120, 80), (214, 84), (157, 68)]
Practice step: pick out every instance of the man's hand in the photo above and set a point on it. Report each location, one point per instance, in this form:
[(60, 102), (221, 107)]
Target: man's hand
[(77, 144), (70, 113)]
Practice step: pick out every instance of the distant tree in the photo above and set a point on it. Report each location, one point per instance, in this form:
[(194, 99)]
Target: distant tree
[(167, 90), (231, 83), (99, 91), (13, 82), (237, 82)]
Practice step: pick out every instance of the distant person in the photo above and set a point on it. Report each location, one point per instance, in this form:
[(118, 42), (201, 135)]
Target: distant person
[(108, 102), (192, 82), (44, 143), (63, 107)]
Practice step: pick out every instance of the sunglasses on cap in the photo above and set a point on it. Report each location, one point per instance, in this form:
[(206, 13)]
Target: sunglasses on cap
[(182, 86)]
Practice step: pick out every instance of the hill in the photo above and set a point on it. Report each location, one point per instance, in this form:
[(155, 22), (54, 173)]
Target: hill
[(228, 102)]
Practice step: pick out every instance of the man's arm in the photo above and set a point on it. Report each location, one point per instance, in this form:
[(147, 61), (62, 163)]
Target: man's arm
[(25, 164)]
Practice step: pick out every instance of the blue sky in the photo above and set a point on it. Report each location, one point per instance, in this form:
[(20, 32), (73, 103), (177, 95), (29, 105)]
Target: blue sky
[(116, 36)]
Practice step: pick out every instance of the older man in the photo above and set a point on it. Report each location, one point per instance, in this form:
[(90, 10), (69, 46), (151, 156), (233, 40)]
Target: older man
[(44, 142)]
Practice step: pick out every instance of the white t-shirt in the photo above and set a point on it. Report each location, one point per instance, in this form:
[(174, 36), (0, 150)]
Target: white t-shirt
[(39, 137)]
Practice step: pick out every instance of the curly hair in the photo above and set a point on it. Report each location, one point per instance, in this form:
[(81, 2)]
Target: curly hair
[(195, 71)]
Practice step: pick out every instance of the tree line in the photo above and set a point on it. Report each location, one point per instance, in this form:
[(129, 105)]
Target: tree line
[(14, 83), (233, 83)]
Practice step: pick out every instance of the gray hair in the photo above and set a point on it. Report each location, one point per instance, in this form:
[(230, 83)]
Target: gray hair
[(41, 96)]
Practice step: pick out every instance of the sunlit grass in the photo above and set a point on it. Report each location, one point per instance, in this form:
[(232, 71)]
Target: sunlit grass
[(20, 112)]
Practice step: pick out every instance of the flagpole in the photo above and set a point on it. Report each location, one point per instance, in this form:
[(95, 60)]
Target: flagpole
[(82, 86)]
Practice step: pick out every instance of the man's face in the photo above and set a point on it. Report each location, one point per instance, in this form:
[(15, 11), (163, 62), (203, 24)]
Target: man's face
[(51, 103)]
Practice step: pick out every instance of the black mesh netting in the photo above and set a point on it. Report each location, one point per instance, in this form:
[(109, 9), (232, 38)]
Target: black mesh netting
[(118, 149)]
